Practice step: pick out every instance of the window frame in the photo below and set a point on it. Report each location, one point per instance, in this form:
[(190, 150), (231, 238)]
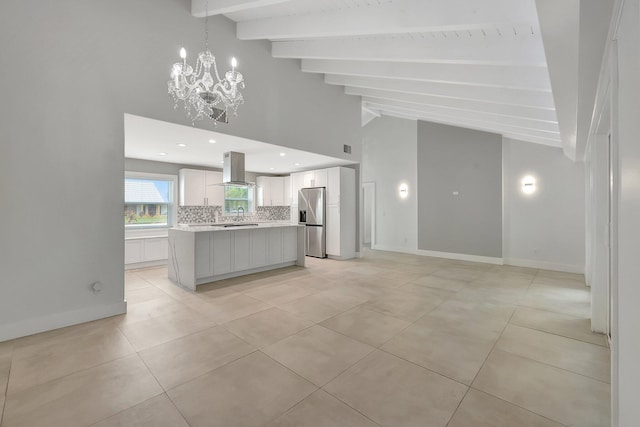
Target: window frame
[(172, 208), (251, 200)]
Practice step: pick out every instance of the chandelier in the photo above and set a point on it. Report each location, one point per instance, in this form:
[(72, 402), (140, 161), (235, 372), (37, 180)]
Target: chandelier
[(201, 93)]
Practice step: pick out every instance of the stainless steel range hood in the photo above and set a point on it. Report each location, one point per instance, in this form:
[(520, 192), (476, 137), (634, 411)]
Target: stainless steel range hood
[(233, 170)]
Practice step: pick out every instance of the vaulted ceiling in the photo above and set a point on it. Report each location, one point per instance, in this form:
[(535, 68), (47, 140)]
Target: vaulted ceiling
[(468, 63)]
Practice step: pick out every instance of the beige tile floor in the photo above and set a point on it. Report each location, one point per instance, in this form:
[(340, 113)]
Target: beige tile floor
[(386, 340)]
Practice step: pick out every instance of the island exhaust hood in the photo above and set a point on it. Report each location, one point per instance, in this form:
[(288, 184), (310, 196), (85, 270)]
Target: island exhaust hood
[(233, 170)]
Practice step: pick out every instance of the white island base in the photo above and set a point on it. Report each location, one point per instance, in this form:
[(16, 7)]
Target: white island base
[(204, 254)]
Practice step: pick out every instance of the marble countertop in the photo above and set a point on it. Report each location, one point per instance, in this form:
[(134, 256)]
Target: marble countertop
[(219, 227)]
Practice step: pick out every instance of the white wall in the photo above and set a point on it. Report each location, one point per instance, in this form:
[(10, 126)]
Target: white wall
[(71, 70), (626, 128), (389, 151), (544, 229)]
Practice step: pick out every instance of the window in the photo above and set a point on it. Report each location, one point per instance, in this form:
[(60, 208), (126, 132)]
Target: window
[(148, 200), (238, 197)]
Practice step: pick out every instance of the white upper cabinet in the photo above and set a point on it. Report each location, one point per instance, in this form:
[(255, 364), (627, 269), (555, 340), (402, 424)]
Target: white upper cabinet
[(271, 191), (315, 178), (297, 182), (198, 188), (192, 184), (214, 193)]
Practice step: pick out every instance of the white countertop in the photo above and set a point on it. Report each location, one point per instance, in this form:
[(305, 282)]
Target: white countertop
[(198, 228)]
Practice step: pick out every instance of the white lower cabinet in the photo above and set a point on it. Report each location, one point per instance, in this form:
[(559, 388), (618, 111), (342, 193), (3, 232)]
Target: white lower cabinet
[(289, 244), (133, 251), (221, 253), (204, 267), (146, 249), (274, 249), (258, 248), (242, 250)]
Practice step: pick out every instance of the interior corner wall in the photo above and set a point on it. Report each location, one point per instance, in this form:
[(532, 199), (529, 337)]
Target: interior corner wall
[(459, 190), (545, 229), (82, 66), (388, 160)]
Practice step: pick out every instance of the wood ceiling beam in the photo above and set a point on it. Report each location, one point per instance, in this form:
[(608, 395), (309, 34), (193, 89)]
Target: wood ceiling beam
[(218, 7), (479, 116), (538, 114), (530, 78), (479, 123), (390, 18), (505, 50), (532, 99)]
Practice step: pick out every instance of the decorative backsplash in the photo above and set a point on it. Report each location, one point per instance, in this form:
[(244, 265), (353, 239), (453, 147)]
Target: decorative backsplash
[(211, 214)]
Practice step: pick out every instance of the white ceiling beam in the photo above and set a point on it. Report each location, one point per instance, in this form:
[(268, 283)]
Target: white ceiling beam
[(531, 78), (540, 114), (505, 50), (393, 18), (480, 116), (449, 122), (456, 120), (218, 7), (533, 99)]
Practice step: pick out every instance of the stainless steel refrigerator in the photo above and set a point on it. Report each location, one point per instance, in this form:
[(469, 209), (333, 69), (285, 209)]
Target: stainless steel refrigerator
[(311, 213)]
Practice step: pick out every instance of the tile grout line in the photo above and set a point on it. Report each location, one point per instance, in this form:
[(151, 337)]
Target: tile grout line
[(491, 352)]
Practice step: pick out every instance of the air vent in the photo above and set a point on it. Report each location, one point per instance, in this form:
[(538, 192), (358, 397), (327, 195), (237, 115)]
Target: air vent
[(347, 149), (219, 115)]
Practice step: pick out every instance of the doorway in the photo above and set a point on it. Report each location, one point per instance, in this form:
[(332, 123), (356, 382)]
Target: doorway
[(369, 214)]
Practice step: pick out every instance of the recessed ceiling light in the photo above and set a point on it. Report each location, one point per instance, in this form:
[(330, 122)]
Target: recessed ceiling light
[(271, 169), (162, 154), (297, 164), (283, 154), (180, 144), (222, 162), (212, 141)]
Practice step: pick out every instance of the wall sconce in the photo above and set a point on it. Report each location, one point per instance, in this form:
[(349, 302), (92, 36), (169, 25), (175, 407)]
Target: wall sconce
[(403, 190), (528, 185)]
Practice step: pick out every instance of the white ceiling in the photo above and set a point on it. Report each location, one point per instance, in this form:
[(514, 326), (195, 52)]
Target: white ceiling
[(468, 63), (146, 138)]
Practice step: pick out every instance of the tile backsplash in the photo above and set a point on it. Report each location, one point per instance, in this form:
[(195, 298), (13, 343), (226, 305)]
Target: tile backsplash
[(209, 214)]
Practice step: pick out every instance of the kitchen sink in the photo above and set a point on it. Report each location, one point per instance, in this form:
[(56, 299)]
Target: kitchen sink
[(237, 224)]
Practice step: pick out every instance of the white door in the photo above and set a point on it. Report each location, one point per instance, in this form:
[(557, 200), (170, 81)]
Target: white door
[(613, 227), (333, 186), (369, 207)]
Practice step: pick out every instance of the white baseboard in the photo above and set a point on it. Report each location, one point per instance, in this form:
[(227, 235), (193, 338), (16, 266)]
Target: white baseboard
[(461, 257), (400, 249), (436, 254), (145, 264), (544, 265), (60, 320)]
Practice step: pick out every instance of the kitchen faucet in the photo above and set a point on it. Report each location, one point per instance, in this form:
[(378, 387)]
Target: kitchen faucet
[(238, 212)]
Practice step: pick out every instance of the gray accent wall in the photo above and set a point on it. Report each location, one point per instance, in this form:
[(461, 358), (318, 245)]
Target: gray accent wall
[(468, 162)]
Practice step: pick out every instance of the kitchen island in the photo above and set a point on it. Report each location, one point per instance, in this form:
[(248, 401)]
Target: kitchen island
[(206, 253)]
